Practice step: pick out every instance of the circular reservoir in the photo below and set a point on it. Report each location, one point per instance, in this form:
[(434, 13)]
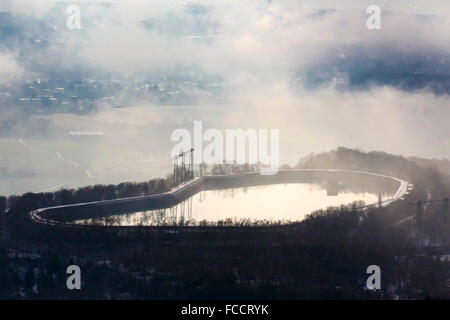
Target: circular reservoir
[(235, 200), (278, 202)]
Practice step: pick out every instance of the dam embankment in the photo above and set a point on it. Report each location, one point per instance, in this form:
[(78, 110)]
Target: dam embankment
[(338, 179)]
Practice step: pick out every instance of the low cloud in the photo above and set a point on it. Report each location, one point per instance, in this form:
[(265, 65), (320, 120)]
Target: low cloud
[(10, 70), (310, 68)]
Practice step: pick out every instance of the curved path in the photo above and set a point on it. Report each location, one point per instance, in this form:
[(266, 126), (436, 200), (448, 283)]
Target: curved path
[(172, 197)]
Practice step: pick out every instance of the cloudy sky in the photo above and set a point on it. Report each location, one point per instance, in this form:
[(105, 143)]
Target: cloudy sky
[(309, 68)]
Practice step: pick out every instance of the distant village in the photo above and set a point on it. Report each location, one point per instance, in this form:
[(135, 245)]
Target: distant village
[(82, 96)]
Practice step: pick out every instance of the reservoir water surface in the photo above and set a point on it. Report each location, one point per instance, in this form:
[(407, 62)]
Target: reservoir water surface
[(284, 203)]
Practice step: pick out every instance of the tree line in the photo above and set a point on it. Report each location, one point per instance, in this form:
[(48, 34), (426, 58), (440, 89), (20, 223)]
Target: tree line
[(27, 202)]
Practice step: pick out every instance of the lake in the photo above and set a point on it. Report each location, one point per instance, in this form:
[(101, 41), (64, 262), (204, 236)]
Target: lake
[(286, 203)]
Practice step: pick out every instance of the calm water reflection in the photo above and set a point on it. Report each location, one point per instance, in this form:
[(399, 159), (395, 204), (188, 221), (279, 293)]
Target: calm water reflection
[(279, 202)]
